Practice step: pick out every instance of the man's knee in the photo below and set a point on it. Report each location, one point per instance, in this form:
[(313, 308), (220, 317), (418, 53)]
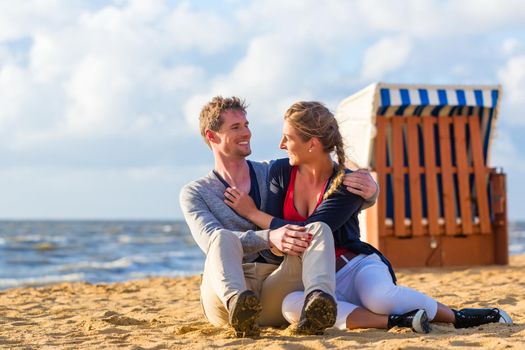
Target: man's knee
[(320, 230), (211, 305), (224, 237)]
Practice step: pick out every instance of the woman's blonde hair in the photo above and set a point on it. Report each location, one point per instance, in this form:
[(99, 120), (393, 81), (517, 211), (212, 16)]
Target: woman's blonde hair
[(313, 119)]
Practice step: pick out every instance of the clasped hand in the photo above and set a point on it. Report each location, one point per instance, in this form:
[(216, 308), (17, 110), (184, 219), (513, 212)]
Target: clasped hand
[(290, 239)]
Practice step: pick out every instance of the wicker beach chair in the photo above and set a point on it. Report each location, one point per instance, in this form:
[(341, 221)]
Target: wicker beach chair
[(440, 202)]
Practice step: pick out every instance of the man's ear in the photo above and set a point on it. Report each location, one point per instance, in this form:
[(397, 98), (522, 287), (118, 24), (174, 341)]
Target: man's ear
[(211, 136)]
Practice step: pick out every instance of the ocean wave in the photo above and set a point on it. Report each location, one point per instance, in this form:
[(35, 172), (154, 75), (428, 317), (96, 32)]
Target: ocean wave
[(37, 238), (145, 240), (121, 263), (167, 228), (39, 281), (516, 248), (191, 253), (516, 233)]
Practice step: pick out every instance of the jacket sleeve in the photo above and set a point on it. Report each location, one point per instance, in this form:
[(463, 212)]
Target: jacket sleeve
[(203, 224), (276, 189), (367, 203)]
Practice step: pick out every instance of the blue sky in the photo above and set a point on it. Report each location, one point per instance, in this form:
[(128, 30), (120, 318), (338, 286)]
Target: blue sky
[(99, 100)]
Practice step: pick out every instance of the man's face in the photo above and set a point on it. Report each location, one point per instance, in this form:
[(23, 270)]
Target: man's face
[(233, 137)]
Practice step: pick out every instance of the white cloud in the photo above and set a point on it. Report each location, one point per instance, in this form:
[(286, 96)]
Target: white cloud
[(433, 19), (19, 19), (512, 76), (104, 71), (511, 46), (97, 96), (12, 89), (385, 56), (205, 31), (268, 76)]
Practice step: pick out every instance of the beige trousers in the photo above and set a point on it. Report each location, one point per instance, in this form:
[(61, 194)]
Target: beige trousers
[(225, 275)]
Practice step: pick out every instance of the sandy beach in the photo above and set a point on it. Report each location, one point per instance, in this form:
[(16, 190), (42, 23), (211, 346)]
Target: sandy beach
[(164, 313)]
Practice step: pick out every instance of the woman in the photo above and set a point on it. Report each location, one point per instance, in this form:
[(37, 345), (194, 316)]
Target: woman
[(306, 188)]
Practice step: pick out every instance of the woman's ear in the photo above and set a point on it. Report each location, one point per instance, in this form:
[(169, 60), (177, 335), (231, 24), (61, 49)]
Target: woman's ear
[(314, 144)]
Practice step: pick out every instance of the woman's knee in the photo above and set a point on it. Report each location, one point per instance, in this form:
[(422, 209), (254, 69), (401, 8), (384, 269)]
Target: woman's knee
[(292, 305), (380, 300)]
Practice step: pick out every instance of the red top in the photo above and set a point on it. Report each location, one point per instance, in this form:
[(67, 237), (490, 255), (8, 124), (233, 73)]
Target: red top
[(291, 213)]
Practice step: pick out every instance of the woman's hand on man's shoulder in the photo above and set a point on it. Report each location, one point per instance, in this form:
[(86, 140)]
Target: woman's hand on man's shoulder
[(361, 183)]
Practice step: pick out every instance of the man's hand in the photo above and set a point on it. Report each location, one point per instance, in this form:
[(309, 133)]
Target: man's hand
[(290, 239), (360, 182)]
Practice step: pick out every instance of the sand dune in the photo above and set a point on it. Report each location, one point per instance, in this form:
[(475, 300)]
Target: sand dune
[(164, 313)]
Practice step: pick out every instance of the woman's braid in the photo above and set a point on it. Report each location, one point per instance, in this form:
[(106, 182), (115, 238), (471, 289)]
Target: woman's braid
[(341, 160)]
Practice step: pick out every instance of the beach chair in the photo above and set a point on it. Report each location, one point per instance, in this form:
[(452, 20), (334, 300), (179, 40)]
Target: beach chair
[(428, 147)]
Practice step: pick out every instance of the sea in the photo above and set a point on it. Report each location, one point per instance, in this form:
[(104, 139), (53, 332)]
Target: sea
[(36, 253)]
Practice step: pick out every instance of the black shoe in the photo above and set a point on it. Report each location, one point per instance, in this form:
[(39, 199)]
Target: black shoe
[(319, 312), (244, 309), (415, 319), (476, 317)]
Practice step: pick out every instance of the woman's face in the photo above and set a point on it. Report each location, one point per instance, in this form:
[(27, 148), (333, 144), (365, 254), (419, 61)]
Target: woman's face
[(298, 150)]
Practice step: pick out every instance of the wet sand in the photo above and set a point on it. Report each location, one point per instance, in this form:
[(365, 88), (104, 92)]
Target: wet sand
[(162, 313)]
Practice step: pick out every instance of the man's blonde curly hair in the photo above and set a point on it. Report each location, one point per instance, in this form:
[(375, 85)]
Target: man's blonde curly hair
[(210, 117)]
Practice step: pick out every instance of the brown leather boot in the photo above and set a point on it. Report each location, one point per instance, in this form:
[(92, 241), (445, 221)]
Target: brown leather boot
[(244, 309), (319, 312)]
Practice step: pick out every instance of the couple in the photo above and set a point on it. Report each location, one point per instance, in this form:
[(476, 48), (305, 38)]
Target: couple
[(282, 238)]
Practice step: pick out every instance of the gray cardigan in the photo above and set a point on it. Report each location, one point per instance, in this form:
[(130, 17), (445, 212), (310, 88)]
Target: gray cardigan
[(202, 202)]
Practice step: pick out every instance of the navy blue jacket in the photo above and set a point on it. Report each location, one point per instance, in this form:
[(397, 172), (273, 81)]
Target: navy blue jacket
[(339, 211)]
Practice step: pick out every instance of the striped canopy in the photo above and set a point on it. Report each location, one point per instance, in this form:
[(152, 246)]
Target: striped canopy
[(357, 113), (357, 116)]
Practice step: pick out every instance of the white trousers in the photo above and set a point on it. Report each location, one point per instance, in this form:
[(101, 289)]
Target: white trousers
[(365, 282)]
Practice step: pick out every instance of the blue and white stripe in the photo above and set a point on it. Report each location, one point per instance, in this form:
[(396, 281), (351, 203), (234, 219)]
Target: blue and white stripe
[(399, 98), (396, 100)]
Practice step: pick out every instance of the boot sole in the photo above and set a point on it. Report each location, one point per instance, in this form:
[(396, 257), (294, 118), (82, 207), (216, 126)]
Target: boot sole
[(420, 322), (244, 316), (320, 314)]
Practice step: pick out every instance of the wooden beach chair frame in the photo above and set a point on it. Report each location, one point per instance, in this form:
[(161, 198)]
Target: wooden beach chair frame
[(440, 203)]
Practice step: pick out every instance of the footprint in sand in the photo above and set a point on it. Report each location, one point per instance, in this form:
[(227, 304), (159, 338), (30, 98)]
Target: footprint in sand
[(205, 329), (463, 343), (509, 300), (116, 319)]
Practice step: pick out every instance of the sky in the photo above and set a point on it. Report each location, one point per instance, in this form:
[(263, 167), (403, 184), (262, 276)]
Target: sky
[(99, 100)]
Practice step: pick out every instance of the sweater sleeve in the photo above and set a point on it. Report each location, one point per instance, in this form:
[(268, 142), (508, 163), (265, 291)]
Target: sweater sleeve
[(203, 224)]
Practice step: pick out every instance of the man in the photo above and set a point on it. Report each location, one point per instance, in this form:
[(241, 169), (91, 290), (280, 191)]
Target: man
[(245, 276)]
